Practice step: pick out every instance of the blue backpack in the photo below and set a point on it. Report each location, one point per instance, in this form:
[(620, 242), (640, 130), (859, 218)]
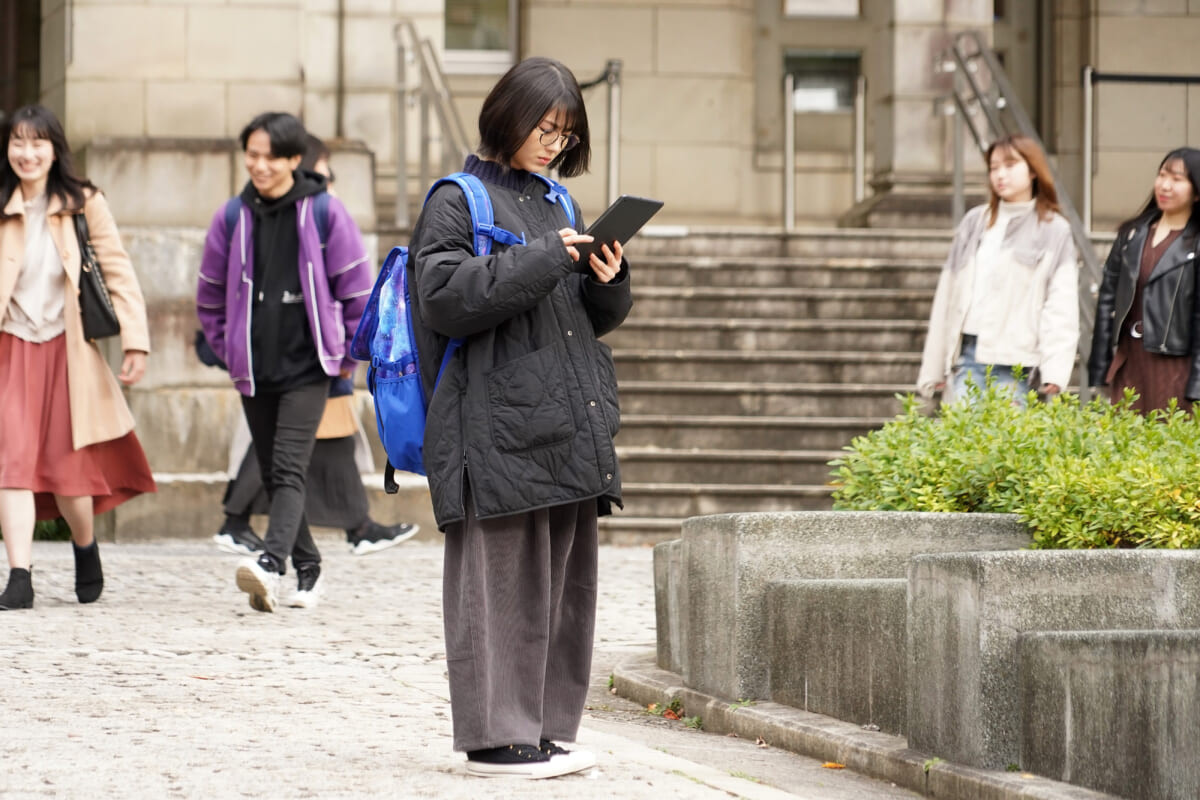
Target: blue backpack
[(385, 334)]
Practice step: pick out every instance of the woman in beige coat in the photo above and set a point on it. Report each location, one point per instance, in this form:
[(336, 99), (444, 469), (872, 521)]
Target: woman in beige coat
[(1007, 295), (68, 447)]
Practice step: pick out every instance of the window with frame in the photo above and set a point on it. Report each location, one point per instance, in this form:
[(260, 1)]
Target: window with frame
[(838, 9), (823, 82), (480, 36)]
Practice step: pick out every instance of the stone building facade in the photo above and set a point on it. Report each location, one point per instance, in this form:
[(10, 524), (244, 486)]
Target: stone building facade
[(152, 93)]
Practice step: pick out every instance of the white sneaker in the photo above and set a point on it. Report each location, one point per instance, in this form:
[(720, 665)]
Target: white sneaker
[(308, 587), (568, 760), (517, 761), (375, 537), (261, 584)]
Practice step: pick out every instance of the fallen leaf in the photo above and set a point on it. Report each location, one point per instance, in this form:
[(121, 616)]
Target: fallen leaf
[(669, 714), (761, 742), (833, 765)]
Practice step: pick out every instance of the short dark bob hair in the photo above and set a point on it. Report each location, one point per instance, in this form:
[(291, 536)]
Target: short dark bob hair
[(287, 134), (62, 182), (519, 102)]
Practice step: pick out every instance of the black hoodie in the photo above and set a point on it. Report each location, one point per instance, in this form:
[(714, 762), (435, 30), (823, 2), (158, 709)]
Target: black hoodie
[(284, 354)]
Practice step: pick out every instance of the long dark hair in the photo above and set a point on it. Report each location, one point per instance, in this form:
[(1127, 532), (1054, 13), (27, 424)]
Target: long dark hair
[(62, 182), (520, 101), (1151, 212), (1044, 193)]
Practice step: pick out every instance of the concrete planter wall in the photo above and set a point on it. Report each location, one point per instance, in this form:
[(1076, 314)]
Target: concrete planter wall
[(1078, 665)]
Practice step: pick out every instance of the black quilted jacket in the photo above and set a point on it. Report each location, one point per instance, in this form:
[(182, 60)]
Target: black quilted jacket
[(527, 407)]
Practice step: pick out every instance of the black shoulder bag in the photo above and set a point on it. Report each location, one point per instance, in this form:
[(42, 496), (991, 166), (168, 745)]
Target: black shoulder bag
[(95, 304)]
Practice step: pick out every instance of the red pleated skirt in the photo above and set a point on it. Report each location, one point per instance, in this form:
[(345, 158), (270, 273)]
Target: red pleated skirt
[(36, 451)]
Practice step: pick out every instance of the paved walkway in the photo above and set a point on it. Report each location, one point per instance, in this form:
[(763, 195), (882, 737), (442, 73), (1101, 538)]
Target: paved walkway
[(171, 687)]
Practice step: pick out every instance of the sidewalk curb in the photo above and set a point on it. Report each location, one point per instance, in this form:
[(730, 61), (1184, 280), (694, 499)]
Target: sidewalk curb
[(879, 755)]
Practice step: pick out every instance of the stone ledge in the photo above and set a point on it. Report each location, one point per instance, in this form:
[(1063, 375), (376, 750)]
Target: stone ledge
[(878, 755)]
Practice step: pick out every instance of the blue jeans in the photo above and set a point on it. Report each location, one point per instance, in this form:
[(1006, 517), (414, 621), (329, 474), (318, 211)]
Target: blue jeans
[(967, 368)]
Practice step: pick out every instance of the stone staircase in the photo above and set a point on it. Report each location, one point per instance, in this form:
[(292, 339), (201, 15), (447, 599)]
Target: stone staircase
[(751, 358)]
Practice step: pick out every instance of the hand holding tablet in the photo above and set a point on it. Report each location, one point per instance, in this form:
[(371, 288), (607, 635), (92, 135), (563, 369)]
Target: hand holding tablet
[(618, 223)]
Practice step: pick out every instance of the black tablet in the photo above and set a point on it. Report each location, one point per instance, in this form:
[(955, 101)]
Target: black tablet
[(618, 223)]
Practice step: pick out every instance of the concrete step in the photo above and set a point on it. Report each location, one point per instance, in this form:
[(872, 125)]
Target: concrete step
[(732, 467), (835, 242), (776, 400), (622, 529), (658, 302), (794, 271), (701, 499), (742, 432), (767, 366), (702, 333)]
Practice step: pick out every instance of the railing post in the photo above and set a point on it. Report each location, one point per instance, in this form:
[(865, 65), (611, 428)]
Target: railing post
[(401, 216), (1088, 133), (425, 179), (958, 205), (860, 139), (613, 70), (789, 153)]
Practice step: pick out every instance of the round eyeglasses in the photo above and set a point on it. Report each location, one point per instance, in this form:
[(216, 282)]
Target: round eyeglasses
[(565, 140)]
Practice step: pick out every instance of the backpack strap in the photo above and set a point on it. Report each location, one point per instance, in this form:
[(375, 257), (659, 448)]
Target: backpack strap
[(558, 194), (233, 208), (483, 221)]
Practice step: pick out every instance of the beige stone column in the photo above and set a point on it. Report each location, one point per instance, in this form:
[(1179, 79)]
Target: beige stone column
[(913, 155)]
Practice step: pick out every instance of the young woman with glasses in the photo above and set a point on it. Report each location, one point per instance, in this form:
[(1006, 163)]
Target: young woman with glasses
[(519, 438)]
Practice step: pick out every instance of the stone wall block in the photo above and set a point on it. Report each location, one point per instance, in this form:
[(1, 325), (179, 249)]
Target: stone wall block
[(1117, 711), (838, 648), (128, 42), (670, 602), (731, 559), (967, 610), (227, 43)]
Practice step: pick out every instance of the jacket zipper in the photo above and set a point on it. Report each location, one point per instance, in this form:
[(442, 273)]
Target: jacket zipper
[(1162, 346)]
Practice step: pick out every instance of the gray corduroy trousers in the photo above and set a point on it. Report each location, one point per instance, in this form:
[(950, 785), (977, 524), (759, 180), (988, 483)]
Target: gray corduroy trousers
[(519, 606)]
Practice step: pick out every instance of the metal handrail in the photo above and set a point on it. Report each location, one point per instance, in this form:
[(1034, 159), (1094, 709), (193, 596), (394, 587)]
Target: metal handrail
[(789, 146), (430, 89), (432, 94), (1090, 78), (984, 101), (611, 77)]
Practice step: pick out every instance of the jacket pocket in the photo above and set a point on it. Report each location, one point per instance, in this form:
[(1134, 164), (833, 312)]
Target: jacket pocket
[(527, 402)]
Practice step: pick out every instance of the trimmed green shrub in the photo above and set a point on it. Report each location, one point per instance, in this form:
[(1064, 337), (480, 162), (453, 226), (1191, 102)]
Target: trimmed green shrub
[(1095, 475)]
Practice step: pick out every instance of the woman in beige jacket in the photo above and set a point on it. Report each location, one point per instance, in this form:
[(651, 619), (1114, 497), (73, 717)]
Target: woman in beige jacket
[(1008, 294), (68, 447)]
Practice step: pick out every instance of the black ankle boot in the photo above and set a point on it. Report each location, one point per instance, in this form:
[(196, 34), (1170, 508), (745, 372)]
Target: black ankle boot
[(89, 577), (19, 592)]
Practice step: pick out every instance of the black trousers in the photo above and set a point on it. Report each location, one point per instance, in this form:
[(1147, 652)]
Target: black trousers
[(284, 426), (519, 606)]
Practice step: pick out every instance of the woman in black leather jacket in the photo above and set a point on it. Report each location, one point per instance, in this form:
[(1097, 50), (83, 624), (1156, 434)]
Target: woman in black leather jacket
[(1147, 331)]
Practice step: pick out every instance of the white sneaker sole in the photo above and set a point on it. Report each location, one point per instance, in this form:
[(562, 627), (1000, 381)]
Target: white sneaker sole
[(556, 766), (225, 542), (261, 596), (305, 599), (363, 548)]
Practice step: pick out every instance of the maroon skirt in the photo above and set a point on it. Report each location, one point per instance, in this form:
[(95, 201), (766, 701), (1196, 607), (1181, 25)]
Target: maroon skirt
[(1154, 377), (36, 451)]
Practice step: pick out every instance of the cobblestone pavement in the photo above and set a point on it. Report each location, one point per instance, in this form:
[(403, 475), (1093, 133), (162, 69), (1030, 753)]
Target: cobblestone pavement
[(172, 687)]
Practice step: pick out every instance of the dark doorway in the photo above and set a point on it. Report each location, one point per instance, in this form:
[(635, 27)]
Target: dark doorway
[(20, 53)]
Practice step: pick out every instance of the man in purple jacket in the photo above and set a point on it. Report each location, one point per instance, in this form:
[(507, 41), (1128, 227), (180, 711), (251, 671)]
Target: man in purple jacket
[(283, 283)]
